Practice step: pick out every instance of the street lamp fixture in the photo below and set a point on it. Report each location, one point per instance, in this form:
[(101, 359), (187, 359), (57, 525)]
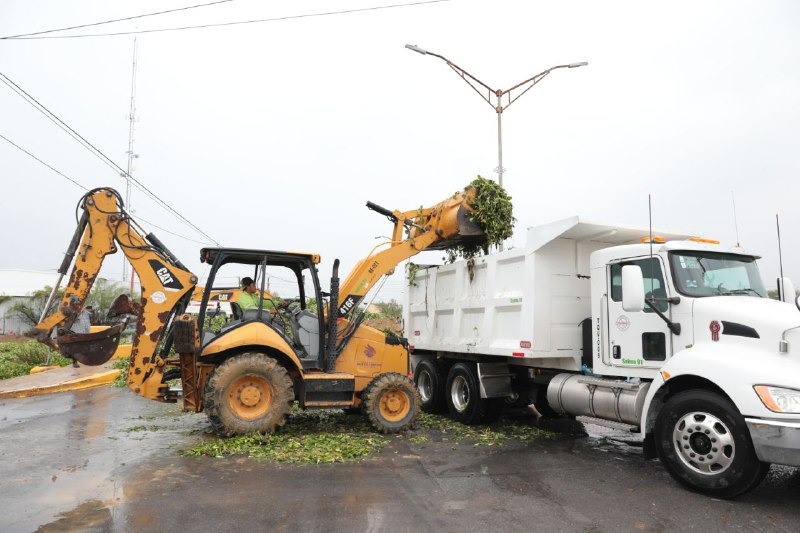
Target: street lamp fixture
[(499, 107)]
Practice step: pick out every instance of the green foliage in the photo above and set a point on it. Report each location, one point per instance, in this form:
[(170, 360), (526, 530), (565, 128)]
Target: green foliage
[(411, 271), (103, 294), (30, 310), (315, 437), (333, 436), (18, 358), (214, 323), (493, 212), (390, 309), (4, 298), (494, 435), (368, 315), (124, 365), (311, 305)]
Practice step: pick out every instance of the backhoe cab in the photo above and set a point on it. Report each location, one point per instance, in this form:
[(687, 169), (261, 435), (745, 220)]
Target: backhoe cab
[(246, 373)]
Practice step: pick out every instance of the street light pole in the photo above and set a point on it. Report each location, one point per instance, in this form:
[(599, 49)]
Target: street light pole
[(499, 107)]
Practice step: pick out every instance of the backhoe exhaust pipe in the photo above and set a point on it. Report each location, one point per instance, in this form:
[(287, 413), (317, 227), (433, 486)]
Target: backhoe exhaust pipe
[(333, 315)]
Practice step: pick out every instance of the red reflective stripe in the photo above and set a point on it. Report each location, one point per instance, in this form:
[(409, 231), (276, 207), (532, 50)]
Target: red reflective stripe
[(518, 354)]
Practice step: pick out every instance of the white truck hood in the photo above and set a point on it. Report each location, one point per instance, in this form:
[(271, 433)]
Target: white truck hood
[(742, 317)]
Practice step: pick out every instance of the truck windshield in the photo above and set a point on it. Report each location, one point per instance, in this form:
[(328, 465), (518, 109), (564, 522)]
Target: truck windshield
[(699, 274)]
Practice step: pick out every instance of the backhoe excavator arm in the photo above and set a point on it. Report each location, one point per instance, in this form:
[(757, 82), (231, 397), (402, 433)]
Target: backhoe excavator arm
[(166, 284), (441, 226)]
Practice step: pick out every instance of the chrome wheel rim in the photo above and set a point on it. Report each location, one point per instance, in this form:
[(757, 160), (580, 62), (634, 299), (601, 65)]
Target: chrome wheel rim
[(459, 393), (425, 386), (704, 443)]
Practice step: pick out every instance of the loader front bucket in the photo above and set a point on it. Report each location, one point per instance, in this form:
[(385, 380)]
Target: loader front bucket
[(455, 225), (91, 349)]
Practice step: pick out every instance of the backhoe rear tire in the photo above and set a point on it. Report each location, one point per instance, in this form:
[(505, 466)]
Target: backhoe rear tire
[(248, 393), (391, 403)]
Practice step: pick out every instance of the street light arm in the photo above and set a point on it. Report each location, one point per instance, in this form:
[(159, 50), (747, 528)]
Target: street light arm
[(469, 80), (534, 80), (460, 71)]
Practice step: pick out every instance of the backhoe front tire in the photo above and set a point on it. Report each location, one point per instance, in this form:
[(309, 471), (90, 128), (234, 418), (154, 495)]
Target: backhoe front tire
[(248, 393), (391, 403)]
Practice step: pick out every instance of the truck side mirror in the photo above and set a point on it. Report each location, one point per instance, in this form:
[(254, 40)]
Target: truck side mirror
[(786, 291), (632, 289)]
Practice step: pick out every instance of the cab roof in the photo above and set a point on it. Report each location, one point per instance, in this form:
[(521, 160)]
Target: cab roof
[(255, 257)]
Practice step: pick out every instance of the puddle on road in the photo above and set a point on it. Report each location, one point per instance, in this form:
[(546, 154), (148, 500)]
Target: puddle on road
[(92, 515)]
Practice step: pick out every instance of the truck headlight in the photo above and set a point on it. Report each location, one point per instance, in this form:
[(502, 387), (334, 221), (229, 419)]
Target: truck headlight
[(778, 399)]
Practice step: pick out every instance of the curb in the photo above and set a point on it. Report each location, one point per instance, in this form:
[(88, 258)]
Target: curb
[(101, 378)]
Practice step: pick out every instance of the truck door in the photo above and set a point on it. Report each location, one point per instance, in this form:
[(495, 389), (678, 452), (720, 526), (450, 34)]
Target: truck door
[(637, 340)]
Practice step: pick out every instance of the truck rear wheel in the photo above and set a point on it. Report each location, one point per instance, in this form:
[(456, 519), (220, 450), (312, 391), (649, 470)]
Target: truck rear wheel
[(391, 403), (463, 396), (430, 383), (248, 393), (703, 442)]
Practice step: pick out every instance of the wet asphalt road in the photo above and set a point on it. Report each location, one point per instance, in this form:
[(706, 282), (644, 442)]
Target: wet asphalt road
[(106, 460)]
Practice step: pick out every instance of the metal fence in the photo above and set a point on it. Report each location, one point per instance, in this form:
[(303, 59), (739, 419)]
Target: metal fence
[(13, 326)]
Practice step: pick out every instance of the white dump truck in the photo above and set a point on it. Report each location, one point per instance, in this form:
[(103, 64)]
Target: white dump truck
[(667, 336)]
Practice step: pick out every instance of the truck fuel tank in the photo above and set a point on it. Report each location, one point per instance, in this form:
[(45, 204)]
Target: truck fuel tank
[(608, 399)]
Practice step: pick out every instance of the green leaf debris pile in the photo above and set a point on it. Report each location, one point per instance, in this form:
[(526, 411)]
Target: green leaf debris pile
[(308, 437), (493, 212), (332, 436), (492, 435)]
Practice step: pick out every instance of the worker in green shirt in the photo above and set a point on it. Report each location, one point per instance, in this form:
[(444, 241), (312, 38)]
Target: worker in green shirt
[(251, 297)]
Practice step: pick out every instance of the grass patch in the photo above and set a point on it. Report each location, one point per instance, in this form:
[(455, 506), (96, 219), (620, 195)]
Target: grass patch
[(17, 358), (314, 437)]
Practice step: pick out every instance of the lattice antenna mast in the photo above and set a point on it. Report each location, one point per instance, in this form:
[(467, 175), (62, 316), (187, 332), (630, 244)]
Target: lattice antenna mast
[(131, 155)]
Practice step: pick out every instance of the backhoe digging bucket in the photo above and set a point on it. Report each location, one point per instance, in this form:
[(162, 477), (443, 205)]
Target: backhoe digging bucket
[(91, 349)]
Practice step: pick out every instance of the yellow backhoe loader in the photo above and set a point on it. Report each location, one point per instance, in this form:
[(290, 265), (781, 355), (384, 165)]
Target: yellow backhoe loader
[(247, 374)]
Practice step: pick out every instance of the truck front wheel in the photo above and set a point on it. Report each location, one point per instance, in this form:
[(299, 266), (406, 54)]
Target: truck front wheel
[(248, 393), (703, 442)]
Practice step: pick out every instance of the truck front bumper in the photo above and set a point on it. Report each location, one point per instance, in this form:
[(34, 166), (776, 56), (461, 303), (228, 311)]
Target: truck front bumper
[(776, 441)]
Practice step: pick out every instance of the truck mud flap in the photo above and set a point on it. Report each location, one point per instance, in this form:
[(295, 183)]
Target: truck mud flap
[(91, 349)]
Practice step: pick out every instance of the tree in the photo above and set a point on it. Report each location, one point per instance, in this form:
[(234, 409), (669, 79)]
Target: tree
[(103, 294), (390, 309), (100, 298), (30, 311)]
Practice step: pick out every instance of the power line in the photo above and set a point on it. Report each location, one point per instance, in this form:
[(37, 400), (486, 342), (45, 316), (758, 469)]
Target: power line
[(115, 20), (18, 147), (92, 148), (235, 23), (171, 232)]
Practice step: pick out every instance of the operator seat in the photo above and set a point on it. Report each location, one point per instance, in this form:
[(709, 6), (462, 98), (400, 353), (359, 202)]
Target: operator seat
[(236, 311)]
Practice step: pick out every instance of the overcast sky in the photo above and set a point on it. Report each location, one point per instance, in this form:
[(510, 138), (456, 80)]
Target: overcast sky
[(274, 135)]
